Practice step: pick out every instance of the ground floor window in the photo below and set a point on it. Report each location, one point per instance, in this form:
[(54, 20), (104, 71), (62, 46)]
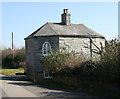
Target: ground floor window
[(47, 75)]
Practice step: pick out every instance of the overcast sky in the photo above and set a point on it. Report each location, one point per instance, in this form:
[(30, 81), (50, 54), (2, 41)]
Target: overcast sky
[(23, 18)]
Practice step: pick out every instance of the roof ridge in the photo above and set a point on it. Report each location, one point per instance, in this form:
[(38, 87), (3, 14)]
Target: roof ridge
[(48, 23), (87, 29), (58, 29), (53, 29), (91, 30), (35, 31)]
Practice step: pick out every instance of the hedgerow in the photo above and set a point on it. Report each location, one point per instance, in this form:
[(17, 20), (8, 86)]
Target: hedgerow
[(17, 61), (70, 65)]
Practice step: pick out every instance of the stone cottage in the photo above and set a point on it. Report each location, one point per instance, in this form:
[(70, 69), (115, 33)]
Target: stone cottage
[(56, 36)]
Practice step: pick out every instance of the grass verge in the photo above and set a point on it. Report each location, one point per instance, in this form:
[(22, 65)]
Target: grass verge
[(6, 71)]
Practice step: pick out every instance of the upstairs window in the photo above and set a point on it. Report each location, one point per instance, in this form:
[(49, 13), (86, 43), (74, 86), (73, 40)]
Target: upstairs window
[(46, 49)]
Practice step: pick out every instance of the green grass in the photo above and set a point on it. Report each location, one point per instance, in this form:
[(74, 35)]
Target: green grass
[(6, 71)]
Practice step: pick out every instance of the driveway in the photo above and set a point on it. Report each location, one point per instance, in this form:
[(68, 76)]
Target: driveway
[(11, 87)]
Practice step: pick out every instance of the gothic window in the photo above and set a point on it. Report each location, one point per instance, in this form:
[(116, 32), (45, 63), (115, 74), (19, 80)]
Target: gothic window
[(46, 49)]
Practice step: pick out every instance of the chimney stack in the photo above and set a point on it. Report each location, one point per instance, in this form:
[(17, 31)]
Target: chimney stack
[(66, 17)]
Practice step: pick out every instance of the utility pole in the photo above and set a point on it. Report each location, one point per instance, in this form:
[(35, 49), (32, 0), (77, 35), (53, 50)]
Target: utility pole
[(12, 47)]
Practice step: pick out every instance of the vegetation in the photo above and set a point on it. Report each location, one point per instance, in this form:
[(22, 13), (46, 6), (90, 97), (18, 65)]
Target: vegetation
[(74, 73), (57, 61), (96, 77), (6, 71), (19, 58)]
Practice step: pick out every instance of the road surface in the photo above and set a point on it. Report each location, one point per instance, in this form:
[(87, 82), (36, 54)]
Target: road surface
[(11, 87)]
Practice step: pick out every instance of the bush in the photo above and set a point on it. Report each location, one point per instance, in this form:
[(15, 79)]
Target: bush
[(7, 61), (110, 60), (58, 61), (100, 77), (19, 58), (69, 65)]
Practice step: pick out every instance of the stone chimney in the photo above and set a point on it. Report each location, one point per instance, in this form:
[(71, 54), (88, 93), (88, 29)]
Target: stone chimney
[(66, 17)]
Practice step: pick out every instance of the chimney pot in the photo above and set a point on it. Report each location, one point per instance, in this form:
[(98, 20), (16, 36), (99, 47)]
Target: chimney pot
[(66, 17), (66, 10)]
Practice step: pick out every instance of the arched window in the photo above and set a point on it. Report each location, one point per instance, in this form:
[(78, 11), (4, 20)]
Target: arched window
[(46, 49)]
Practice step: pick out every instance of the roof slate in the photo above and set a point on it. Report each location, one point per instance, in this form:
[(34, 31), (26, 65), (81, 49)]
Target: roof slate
[(57, 29)]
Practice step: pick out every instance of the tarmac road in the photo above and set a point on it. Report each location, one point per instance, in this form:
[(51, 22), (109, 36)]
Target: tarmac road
[(11, 87)]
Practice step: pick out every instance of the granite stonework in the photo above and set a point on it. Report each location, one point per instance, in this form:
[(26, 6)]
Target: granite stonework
[(80, 45)]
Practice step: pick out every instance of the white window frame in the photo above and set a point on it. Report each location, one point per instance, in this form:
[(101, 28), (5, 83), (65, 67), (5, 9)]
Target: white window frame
[(48, 75), (45, 48), (45, 51)]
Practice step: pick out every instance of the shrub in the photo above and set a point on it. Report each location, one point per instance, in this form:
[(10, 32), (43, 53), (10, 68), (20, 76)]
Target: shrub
[(19, 58), (69, 65), (58, 61), (100, 77), (110, 60)]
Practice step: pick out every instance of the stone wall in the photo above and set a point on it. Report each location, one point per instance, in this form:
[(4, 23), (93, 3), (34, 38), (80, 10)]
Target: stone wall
[(29, 58), (34, 55), (79, 45), (97, 42)]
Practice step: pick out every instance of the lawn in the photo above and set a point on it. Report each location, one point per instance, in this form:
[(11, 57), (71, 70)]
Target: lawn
[(6, 71)]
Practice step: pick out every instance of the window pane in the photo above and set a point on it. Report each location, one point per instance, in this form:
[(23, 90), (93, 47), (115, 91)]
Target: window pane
[(46, 48)]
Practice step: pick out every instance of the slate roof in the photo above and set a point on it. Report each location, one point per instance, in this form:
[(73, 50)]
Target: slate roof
[(57, 29)]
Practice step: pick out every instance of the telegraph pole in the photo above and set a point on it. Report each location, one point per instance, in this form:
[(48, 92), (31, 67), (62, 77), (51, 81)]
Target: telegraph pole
[(12, 47)]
